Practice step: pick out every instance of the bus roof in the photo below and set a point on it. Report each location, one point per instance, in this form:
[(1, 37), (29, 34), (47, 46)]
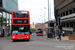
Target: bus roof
[(20, 10)]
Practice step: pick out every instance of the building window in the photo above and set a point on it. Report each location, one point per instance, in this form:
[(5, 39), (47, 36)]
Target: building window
[(10, 16), (58, 15), (70, 11), (4, 15), (74, 10), (63, 14), (74, 24), (71, 24), (66, 12), (63, 24), (0, 3), (67, 24), (0, 14), (51, 24), (7, 15)]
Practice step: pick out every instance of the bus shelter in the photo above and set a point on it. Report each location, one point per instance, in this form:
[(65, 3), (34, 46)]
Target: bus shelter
[(50, 28)]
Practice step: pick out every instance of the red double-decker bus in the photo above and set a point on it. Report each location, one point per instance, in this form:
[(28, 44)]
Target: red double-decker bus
[(39, 32), (20, 25)]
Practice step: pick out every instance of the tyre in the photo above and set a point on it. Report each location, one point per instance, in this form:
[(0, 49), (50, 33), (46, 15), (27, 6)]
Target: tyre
[(28, 39), (14, 40)]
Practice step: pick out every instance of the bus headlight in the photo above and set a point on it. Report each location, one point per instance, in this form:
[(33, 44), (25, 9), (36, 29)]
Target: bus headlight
[(27, 36), (13, 36)]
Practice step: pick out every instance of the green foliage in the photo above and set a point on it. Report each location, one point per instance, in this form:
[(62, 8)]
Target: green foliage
[(33, 23), (3, 20), (33, 29)]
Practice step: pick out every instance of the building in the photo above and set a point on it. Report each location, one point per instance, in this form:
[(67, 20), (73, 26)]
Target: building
[(6, 8), (40, 26), (65, 15), (32, 26)]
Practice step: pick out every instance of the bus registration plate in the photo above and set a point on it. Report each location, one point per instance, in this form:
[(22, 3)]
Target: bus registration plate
[(20, 38)]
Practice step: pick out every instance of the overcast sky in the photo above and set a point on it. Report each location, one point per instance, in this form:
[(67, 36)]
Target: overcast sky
[(36, 8)]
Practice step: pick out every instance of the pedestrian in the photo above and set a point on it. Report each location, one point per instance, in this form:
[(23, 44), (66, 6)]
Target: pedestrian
[(30, 32), (54, 32), (59, 34), (63, 33)]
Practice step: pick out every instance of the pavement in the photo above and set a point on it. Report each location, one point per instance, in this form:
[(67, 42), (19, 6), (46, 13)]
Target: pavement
[(4, 35), (65, 38)]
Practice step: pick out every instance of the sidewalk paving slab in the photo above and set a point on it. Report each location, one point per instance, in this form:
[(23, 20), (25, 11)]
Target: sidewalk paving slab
[(65, 38)]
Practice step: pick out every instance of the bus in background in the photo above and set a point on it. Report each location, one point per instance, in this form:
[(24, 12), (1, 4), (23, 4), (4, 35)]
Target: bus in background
[(39, 32), (20, 25)]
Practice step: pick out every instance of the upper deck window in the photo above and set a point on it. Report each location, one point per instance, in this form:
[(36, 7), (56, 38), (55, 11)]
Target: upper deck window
[(20, 14), (0, 3)]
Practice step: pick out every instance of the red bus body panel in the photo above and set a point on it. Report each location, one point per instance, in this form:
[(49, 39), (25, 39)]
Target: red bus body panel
[(40, 34), (21, 18), (24, 36), (27, 36)]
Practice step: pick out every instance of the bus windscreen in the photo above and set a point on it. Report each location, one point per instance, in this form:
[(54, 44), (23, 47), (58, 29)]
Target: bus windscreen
[(21, 28), (20, 14)]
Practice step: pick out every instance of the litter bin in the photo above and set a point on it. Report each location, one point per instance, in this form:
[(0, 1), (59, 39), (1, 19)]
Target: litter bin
[(49, 35)]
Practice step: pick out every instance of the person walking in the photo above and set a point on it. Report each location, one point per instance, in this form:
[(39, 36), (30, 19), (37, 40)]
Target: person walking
[(59, 34)]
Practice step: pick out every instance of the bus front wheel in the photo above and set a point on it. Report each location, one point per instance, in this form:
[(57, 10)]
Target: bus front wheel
[(28, 39), (14, 40)]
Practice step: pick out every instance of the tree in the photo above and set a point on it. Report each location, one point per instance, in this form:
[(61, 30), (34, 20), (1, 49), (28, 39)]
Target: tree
[(33, 23), (3, 21)]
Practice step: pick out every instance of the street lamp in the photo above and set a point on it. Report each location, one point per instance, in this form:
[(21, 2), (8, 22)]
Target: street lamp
[(48, 10), (42, 18), (48, 16), (39, 20)]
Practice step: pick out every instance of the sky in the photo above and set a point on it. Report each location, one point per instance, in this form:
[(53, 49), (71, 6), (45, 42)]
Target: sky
[(36, 8)]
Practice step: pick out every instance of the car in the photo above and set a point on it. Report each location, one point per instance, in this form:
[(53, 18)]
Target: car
[(32, 34)]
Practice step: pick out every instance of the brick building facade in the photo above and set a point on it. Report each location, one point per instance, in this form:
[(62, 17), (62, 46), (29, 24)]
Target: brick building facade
[(40, 26)]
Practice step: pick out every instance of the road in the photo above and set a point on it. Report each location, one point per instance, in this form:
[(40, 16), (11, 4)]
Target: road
[(36, 43)]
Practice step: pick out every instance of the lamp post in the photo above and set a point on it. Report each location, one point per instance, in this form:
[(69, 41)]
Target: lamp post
[(44, 14), (42, 18), (48, 16), (39, 20), (48, 10)]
